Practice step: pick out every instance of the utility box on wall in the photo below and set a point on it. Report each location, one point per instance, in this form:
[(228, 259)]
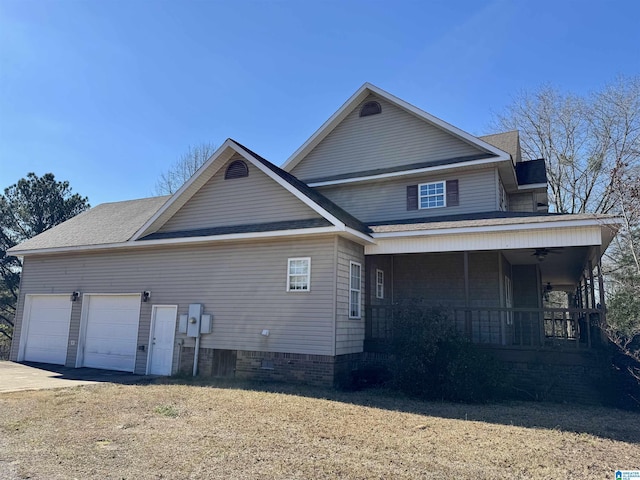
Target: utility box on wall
[(206, 324), (193, 322), (182, 324)]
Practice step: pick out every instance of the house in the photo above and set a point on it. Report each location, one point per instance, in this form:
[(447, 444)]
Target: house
[(292, 273)]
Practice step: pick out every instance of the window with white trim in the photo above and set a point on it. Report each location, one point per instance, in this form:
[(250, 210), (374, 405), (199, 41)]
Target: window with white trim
[(355, 277), (379, 284), (299, 274), (432, 195)]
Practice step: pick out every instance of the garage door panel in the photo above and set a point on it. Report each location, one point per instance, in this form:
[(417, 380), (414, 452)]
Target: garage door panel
[(48, 329), (112, 332)]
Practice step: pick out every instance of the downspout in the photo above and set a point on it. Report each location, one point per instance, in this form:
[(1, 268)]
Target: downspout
[(195, 356)]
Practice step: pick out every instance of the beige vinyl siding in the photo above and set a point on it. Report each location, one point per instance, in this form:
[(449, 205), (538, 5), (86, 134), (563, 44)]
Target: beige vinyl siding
[(391, 138), (387, 200), (484, 279), (239, 201), (526, 286), (435, 279), (438, 279), (521, 202), (243, 285), (349, 331)]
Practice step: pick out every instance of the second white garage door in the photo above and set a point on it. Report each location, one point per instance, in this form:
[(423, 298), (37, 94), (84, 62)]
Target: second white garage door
[(111, 331)]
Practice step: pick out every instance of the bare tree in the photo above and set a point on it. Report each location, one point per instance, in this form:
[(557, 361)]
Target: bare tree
[(582, 138), (173, 178), (591, 145)]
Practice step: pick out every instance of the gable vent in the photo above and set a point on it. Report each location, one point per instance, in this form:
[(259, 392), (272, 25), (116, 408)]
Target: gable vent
[(236, 169), (370, 108)]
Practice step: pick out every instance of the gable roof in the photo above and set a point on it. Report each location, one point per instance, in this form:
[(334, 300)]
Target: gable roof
[(135, 222), (316, 201), (364, 91), (107, 223)]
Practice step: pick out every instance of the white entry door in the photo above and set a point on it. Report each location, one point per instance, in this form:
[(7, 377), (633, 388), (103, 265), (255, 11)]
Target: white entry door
[(45, 329), (163, 330)]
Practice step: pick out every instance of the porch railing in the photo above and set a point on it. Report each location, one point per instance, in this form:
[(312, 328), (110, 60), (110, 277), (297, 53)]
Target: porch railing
[(516, 327)]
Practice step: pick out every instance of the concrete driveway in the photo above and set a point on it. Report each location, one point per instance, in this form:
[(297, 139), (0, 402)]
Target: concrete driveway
[(39, 376)]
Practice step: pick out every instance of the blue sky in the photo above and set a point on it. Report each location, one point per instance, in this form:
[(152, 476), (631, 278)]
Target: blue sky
[(108, 94)]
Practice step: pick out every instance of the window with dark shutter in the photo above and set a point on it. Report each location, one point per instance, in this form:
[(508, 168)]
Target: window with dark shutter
[(370, 108), (412, 197), (453, 199), (236, 169)]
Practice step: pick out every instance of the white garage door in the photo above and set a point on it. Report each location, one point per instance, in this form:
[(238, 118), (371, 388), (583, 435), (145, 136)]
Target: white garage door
[(47, 322), (111, 331)]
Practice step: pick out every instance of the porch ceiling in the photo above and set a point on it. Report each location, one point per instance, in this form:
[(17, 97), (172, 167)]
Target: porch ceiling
[(562, 267)]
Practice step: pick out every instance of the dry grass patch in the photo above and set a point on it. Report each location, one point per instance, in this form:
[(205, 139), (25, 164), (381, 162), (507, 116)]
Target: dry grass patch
[(190, 431)]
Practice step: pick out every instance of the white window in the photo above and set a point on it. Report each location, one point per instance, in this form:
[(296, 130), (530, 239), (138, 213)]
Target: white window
[(379, 284), (432, 195), (355, 275), (299, 274)]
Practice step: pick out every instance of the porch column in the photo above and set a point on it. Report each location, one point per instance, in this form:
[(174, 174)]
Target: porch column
[(601, 283), (467, 295), (592, 286)]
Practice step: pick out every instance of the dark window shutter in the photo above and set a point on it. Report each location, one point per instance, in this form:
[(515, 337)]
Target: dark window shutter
[(453, 199), (412, 197), (236, 169)]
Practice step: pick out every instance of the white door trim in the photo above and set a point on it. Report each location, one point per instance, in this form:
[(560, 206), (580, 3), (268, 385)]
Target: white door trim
[(26, 320), (84, 317), (152, 327)]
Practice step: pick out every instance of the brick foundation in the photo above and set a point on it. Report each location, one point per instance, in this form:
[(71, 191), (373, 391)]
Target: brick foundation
[(307, 369), (562, 376)]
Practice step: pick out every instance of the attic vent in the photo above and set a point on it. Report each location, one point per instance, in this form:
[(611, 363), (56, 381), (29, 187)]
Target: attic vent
[(236, 169), (370, 108)]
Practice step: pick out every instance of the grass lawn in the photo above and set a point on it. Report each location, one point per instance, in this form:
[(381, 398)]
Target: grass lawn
[(238, 431)]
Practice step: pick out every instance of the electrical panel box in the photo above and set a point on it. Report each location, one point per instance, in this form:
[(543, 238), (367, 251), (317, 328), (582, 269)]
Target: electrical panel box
[(206, 323), (182, 324), (193, 322)]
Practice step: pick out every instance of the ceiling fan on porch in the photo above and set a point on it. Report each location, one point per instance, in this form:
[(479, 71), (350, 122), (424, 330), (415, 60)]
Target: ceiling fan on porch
[(541, 253)]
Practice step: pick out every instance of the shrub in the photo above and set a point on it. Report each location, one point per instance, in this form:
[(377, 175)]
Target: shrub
[(433, 360)]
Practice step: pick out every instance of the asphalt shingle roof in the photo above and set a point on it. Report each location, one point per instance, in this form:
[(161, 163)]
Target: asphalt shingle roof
[(256, 227), (507, 141), (107, 223), (341, 214)]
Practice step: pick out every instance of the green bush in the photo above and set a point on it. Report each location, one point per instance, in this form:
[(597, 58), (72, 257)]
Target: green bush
[(433, 360)]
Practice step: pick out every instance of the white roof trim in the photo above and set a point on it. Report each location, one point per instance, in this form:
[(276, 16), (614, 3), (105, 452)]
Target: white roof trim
[(250, 158), (184, 240), (401, 173), (182, 189), (297, 193), (532, 186), (366, 89), (500, 228)]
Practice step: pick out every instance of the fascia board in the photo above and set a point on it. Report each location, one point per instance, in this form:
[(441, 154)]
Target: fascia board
[(532, 186), (326, 128), (439, 123), (500, 228), (359, 235), (290, 188), (362, 93), (143, 230), (402, 173), (181, 241)]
